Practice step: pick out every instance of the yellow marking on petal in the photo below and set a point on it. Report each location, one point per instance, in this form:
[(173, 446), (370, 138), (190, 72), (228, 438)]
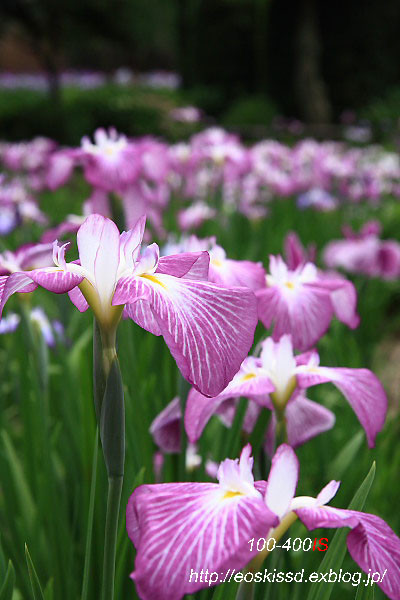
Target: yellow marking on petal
[(216, 262), (154, 280), (289, 285), (231, 495), (248, 376)]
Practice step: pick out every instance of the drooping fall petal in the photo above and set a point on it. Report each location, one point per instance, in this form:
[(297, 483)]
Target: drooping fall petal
[(180, 529), (208, 329), (248, 382), (305, 419), (371, 542), (55, 280), (10, 284), (306, 317), (165, 428), (361, 388)]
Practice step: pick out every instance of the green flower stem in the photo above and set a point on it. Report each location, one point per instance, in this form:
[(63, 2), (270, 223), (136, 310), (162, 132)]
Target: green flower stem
[(281, 430), (109, 352), (110, 413), (110, 539)]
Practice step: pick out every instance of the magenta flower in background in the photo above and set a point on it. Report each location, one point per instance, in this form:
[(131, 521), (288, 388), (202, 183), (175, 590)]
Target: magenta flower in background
[(50, 330), (60, 168), (98, 203), (365, 253), (182, 528), (208, 328), (166, 427), (195, 215), (186, 114), (304, 301), (17, 205), (154, 159), (295, 253), (9, 323), (26, 258), (317, 198), (30, 156), (110, 162), (166, 433), (223, 270), (276, 380), (9, 218), (70, 225)]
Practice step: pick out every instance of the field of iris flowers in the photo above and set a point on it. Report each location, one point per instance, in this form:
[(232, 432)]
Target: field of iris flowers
[(256, 299)]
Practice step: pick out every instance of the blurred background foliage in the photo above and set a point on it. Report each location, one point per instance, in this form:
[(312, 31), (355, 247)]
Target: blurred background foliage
[(241, 61)]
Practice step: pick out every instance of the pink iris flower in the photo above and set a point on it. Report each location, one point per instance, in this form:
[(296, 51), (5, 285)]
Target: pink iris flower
[(365, 253), (209, 329), (223, 270), (195, 215), (179, 529), (59, 168), (17, 204), (166, 427), (110, 162), (278, 378), (303, 302), (295, 253), (26, 258)]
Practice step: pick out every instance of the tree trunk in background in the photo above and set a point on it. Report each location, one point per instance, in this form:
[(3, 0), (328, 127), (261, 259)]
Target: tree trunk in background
[(261, 8), (310, 88), (53, 78), (187, 17)]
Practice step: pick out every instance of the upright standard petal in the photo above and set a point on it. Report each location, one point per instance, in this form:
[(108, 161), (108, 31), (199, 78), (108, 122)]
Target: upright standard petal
[(295, 252), (106, 260), (208, 329), (282, 480), (130, 242), (361, 388), (98, 241)]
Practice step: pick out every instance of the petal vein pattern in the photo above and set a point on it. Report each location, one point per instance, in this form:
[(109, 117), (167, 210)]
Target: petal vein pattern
[(189, 526), (208, 329)]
